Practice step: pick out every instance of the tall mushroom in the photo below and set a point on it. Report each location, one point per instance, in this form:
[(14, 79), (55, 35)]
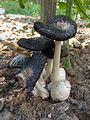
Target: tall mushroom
[(61, 28)]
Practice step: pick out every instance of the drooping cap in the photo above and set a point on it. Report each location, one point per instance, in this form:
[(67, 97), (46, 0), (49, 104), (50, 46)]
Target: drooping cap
[(60, 28), (35, 68), (20, 61), (31, 68), (43, 44), (36, 44)]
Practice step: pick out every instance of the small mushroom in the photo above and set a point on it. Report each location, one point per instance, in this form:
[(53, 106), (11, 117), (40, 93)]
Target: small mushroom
[(61, 28), (32, 69)]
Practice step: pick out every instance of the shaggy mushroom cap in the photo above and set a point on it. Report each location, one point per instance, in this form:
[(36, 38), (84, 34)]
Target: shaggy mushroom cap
[(35, 68), (43, 44), (60, 28), (20, 61), (32, 69), (36, 44)]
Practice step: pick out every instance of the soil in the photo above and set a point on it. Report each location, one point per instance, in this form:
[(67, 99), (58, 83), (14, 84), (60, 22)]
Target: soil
[(13, 103)]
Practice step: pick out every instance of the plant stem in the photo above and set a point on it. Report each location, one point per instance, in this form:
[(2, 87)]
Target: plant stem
[(69, 7), (67, 62)]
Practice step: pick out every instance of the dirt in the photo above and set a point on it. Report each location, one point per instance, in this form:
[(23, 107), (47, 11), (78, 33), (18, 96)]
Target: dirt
[(13, 103)]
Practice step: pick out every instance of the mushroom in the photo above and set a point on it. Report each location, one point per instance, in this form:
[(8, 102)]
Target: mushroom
[(46, 46), (23, 61), (32, 68), (40, 44), (36, 43), (61, 28)]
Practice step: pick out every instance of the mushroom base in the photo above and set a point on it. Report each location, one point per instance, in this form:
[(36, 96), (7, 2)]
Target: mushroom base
[(59, 91), (40, 87)]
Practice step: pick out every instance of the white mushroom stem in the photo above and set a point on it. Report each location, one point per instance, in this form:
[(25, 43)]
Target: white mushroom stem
[(49, 68), (56, 62), (59, 87), (39, 89)]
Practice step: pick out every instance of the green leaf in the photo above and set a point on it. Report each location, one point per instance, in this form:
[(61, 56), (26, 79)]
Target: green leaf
[(61, 5), (21, 3), (81, 6), (33, 30)]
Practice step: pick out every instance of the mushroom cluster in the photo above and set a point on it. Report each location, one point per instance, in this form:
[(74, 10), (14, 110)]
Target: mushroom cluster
[(47, 49)]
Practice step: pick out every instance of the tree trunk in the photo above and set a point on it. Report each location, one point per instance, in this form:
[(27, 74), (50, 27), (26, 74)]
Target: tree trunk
[(48, 9)]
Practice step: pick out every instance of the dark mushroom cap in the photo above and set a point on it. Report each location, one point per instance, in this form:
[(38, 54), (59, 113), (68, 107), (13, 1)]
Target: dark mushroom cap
[(31, 68), (20, 61), (50, 52), (60, 28), (35, 68), (35, 44), (38, 44)]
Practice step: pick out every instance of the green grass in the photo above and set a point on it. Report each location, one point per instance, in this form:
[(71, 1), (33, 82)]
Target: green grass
[(12, 7)]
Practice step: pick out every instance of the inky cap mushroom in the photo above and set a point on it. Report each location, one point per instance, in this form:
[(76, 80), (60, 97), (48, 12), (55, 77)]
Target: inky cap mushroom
[(60, 28), (31, 70), (20, 61), (36, 44), (43, 44)]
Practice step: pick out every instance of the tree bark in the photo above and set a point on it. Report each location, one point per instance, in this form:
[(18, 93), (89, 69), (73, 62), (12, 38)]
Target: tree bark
[(47, 10)]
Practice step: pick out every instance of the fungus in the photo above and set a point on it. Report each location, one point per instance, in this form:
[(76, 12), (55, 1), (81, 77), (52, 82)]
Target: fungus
[(31, 70), (43, 44), (60, 28), (46, 46), (22, 61), (36, 44)]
